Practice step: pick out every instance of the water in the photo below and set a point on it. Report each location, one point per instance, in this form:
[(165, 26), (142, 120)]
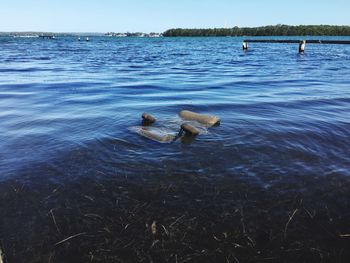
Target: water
[(68, 108), (281, 112)]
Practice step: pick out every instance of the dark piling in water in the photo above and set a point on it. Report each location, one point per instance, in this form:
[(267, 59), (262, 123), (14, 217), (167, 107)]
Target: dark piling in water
[(245, 45), (302, 45)]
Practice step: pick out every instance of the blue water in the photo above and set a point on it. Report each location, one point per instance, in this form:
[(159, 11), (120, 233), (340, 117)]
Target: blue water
[(71, 165), (283, 114)]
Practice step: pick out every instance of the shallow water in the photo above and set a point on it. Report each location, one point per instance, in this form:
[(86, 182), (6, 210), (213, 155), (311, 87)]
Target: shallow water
[(68, 108), (282, 113)]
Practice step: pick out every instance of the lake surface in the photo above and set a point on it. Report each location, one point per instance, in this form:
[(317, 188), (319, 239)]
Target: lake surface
[(68, 109)]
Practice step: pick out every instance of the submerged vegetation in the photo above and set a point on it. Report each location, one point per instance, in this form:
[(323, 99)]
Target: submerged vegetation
[(277, 30), (174, 218)]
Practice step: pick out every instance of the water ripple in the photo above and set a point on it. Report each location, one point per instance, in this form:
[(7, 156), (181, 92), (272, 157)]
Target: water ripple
[(68, 105)]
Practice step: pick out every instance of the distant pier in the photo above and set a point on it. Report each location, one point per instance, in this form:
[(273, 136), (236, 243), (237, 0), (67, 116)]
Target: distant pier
[(333, 42), (302, 43), (47, 36)]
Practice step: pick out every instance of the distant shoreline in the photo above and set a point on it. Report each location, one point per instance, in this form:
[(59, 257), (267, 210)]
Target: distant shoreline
[(276, 30), (38, 33)]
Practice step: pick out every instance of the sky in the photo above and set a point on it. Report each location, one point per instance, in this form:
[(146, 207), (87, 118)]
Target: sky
[(159, 15)]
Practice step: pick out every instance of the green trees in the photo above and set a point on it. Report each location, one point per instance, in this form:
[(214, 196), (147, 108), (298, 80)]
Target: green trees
[(277, 30)]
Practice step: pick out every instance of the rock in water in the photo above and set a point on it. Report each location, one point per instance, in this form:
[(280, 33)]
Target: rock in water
[(189, 129), (156, 135), (147, 119), (207, 120)]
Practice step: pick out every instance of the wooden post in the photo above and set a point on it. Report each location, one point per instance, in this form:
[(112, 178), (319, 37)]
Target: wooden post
[(302, 45), (245, 45)]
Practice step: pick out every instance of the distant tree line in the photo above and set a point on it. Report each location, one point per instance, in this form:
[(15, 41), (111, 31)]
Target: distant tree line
[(277, 30)]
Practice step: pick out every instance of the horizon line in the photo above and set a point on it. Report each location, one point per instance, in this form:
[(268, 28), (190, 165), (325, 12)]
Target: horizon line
[(128, 31)]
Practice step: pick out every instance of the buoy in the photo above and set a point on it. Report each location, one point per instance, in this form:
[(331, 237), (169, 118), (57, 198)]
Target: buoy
[(156, 136), (189, 129), (302, 45), (147, 119), (78, 38), (245, 45), (87, 39), (207, 120)]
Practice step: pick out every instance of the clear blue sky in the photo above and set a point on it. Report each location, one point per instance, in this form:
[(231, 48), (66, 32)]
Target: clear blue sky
[(159, 15)]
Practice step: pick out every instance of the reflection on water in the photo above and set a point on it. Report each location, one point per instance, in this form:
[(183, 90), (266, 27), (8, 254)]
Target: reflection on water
[(69, 151)]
